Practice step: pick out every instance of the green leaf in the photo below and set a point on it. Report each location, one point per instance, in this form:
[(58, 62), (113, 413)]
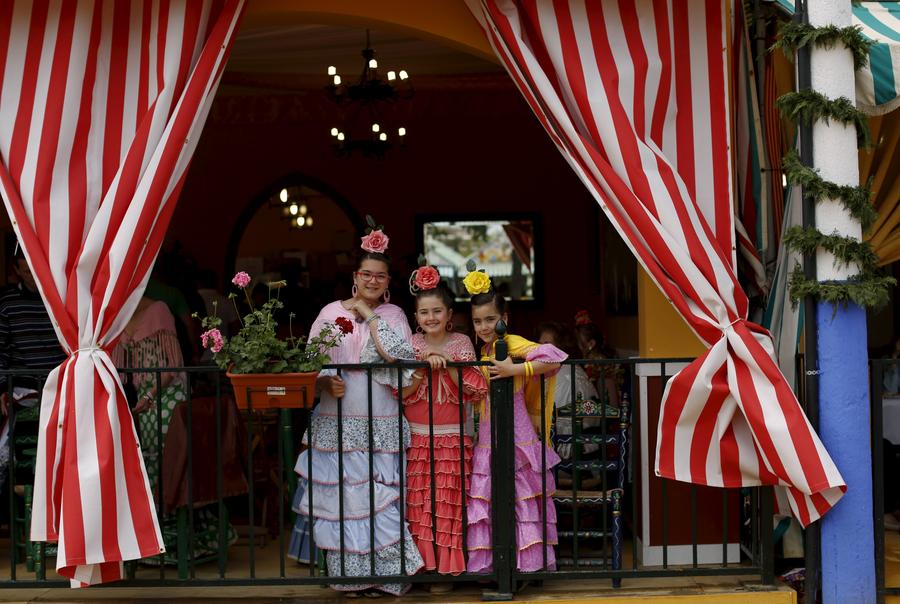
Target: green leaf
[(794, 36), (470, 265), (808, 106), (856, 200)]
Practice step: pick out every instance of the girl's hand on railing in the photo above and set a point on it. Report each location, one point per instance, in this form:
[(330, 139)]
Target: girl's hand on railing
[(503, 369), (332, 384), (438, 359)]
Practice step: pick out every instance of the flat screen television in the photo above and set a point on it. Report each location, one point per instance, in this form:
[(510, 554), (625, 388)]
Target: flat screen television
[(505, 246)]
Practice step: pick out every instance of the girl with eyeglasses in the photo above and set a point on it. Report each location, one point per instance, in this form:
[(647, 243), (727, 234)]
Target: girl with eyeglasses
[(381, 335)]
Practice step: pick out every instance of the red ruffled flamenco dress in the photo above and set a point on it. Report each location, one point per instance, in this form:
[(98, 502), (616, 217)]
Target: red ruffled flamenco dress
[(451, 454)]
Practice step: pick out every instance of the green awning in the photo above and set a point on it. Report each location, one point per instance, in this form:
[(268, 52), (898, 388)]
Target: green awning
[(877, 84)]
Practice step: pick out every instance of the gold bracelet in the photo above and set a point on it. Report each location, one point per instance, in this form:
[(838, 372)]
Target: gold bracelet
[(529, 371)]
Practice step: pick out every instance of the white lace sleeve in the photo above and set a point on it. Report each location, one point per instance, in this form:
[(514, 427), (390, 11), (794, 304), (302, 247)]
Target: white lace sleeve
[(397, 348)]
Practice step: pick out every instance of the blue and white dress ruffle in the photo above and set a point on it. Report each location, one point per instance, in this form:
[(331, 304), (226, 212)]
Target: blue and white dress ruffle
[(345, 487)]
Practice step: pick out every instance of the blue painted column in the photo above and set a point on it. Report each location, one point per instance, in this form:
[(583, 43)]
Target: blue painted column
[(848, 547)]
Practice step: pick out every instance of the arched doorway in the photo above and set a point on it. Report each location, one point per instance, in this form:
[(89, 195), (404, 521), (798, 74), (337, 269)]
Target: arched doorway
[(300, 230)]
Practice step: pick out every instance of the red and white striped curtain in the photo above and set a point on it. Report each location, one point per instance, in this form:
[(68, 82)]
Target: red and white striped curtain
[(634, 93), (101, 106)]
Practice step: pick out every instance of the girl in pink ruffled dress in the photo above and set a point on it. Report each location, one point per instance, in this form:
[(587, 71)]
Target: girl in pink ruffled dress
[(531, 454), (440, 540)]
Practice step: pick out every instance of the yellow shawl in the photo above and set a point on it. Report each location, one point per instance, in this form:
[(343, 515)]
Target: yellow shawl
[(519, 348)]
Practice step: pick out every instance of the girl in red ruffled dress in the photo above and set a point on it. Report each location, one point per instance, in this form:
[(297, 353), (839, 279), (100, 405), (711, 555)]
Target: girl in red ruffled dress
[(440, 543)]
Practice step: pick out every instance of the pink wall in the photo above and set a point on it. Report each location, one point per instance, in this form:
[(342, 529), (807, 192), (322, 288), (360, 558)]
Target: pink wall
[(473, 147)]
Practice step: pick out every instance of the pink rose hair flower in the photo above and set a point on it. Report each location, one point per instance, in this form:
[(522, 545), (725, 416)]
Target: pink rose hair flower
[(427, 277), (376, 242), (241, 279), (212, 339)]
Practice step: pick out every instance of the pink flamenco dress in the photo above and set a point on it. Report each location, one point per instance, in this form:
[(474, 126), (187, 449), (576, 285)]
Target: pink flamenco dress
[(440, 543), (530, 455)]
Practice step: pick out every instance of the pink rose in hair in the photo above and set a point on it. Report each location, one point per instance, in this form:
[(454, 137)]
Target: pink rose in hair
[(376, 242), (241, 279), (427, 277)]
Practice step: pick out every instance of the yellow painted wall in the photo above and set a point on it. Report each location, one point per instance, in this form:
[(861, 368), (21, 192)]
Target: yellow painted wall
[(661, 330), (446, 21)]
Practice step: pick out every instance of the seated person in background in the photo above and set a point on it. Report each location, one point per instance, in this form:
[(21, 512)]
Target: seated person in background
[(148, 341), (607, 378), (27, 341), (27, 337), (566, 392)]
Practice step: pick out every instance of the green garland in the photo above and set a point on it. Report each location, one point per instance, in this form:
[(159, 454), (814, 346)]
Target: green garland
[(846, 250), (856, 200), (793, 36), (870, 287), (807, 106), (869, 290)]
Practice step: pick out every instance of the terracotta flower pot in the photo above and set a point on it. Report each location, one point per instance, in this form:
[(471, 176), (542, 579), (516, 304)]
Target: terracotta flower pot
[(274, 390)]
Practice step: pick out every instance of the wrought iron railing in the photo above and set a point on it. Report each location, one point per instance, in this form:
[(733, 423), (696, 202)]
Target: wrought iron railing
[(596, 533)]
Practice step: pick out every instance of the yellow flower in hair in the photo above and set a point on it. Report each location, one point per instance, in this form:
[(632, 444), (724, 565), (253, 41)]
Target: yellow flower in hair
[(477, 282)]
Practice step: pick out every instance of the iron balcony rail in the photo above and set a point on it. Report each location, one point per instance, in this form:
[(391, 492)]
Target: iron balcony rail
[(882, 462), (592, 537)]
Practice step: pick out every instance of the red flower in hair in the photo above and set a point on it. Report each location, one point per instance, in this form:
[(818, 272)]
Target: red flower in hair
[(582, 318), (344, 324), (427, 277)]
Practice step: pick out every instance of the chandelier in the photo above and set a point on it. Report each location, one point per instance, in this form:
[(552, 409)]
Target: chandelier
[(367, 129), (294, 208)]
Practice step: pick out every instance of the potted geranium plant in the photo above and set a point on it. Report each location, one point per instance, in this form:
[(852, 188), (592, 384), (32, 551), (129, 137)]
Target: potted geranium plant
[(265, 370)]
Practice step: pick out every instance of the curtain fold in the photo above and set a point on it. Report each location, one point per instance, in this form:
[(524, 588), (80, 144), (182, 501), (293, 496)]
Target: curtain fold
[(752, 221), (635, 96), (101, 107)]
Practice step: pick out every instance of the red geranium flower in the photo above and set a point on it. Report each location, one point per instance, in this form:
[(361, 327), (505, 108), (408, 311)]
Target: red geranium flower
[(345, 325)]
